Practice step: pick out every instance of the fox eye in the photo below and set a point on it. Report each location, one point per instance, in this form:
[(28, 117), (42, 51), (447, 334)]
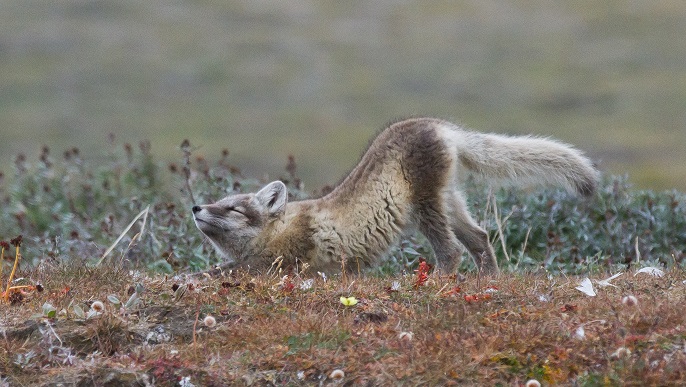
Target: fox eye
[(234, 209)]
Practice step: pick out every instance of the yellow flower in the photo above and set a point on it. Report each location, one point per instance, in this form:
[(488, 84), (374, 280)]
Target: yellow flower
[(348, 301)]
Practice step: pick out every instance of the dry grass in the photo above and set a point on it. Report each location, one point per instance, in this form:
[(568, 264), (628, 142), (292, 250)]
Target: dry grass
[(271, 330)]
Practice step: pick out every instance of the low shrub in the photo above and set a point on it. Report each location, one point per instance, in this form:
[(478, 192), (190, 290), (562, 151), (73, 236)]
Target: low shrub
[(69, 209)]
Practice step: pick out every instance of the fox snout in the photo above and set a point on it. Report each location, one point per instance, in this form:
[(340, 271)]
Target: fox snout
[(196, 209)]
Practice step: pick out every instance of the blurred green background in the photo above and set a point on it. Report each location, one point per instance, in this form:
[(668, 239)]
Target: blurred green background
[(317, 79)]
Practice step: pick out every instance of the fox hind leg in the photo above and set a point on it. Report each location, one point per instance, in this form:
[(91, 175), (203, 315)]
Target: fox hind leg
[(435, 226), (473, 237)]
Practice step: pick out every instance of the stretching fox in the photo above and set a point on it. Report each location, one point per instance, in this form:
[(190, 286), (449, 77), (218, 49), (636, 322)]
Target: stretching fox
[(408, 179)]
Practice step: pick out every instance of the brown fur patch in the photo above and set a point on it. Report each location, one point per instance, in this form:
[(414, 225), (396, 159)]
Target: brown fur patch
[(586, 187), (294, 242), (424, 158)]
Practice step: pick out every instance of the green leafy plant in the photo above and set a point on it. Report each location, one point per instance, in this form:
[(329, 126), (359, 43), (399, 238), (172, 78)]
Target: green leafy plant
[(68, 209)]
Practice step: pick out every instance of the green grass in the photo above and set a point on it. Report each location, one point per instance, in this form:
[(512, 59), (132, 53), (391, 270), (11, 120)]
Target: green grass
[(318, 80)]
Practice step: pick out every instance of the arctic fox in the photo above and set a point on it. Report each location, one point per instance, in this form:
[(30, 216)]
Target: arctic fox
[(409, 179)]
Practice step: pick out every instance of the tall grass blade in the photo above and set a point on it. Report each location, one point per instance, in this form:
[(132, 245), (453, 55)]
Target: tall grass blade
[(143, 213)]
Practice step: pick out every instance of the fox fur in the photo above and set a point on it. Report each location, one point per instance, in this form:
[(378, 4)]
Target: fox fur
[(409, 179)]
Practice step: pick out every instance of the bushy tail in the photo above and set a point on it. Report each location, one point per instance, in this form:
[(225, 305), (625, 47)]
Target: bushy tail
[(526, 160)]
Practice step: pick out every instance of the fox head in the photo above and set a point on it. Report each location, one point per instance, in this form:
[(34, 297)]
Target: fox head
[(233, 224)]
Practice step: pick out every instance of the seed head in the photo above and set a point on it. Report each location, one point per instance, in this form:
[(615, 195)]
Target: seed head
[(621, 352), (209, 321), (16, 241), (98, 306), (337, 374), (407, 336), (629, 301)]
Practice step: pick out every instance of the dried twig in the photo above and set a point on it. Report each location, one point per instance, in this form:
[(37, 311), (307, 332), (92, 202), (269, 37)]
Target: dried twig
[(121, 236), (186, 149), (195, 324), (496, 215)]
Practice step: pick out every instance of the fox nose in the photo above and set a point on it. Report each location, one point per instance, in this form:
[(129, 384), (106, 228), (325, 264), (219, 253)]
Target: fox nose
[(196, 209)]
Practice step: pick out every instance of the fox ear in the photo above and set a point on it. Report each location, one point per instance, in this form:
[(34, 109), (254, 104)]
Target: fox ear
[(274, 197)]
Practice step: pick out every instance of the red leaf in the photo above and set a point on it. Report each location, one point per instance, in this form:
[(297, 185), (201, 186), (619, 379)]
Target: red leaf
[(422, 273), (471, 298), (569, 308)]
